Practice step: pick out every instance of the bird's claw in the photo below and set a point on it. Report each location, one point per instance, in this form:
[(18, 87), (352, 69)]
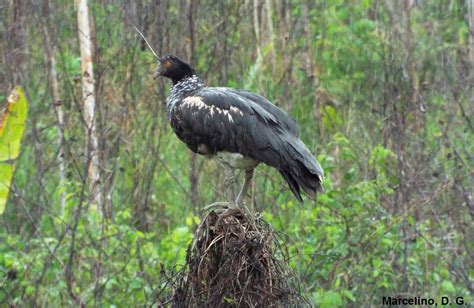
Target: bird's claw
[(223, 207), (219, 205)]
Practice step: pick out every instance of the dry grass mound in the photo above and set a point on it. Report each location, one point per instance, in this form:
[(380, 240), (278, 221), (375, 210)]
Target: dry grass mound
[(232, 263)]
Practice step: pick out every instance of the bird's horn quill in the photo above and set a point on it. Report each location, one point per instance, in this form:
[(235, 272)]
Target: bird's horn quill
[(146, 41)]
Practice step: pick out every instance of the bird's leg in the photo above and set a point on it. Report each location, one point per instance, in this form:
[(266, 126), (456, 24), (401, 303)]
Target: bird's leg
[(229, 183), (245, 186)]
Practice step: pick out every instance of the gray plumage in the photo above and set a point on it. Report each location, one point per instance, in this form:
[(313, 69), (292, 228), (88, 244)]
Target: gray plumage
[(213, 120)]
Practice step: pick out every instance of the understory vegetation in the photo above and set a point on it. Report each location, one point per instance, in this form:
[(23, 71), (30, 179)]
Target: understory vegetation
[(382, 90)]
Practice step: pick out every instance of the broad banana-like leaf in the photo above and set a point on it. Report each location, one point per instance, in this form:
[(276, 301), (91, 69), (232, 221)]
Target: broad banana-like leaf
[(12, 125)]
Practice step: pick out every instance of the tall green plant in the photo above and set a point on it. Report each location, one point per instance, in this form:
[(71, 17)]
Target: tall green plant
[(12, 125)]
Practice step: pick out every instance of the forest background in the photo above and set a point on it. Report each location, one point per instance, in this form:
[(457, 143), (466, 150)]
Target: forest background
[(383, 91)]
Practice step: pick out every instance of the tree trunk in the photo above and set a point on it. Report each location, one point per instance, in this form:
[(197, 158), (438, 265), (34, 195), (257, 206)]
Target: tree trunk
[(16, 38), (470, 17), (88, 85), (256, 26), (470, 13), (193, 170), (271, 36), (411, 66), (50, 53)]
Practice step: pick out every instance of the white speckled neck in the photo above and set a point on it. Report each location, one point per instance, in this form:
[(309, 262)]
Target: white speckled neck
[(183, 89)]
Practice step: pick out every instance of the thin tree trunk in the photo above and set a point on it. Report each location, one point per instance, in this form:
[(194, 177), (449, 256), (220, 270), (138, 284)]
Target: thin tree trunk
[(16, 39), (193, 170), (411, 62), (50, 52), (470, 17), (271, 35), (470, 5), (57, 103), (256, 26), (88, 85), (93, 171), (191, 31), (60, 116)]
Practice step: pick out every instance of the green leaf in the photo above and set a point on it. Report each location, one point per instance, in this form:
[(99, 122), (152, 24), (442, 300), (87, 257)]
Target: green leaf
[(6, 174), (348, 294), (377, 263), (331, 299), (12, 125), (448, 286), (30, 290)]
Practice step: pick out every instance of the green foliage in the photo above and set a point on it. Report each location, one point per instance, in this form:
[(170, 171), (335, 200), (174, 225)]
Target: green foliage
[(394, 218), (12, 125)]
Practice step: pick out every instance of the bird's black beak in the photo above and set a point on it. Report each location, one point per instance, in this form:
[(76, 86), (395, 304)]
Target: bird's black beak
[(158, 71)]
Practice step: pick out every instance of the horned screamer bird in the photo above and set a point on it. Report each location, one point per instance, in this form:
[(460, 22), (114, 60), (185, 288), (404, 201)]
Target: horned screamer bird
[(239, 128)]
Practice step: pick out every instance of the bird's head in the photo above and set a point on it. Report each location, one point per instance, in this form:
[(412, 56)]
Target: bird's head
[(174, 68)]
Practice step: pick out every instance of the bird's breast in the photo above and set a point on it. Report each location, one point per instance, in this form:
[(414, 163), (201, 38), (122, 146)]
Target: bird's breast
[(236, 160)]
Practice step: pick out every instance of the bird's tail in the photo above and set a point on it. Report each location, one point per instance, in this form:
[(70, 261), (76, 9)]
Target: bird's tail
[(299, 168)]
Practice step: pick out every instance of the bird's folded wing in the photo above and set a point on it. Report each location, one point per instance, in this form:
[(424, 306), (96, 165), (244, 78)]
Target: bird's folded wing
[(225, 121), (283, 118)]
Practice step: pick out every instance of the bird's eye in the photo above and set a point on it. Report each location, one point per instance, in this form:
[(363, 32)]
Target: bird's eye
[(168, 64)]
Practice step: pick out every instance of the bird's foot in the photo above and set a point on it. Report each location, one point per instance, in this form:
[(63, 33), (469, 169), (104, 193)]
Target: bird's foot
[(244, 209), (226, 208), (222, 210), (220, 206)]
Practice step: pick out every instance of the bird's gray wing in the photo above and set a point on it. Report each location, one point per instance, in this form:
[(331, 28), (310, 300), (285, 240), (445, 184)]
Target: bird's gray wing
[(223, 120)]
